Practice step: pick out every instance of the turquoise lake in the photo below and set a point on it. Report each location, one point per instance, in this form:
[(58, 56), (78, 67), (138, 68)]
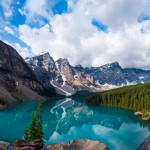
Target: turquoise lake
[(70, 118)]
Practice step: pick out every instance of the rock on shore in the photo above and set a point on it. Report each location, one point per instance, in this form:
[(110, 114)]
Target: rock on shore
[(78, 145), (37, 145), (145, 145)]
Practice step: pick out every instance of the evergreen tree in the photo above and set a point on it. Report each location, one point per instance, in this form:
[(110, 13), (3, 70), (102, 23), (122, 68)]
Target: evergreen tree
[(35, 130), (39, 120), (26, 135)]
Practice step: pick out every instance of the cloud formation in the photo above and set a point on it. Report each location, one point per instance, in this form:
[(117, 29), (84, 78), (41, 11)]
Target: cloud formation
[(72, 35), (9, 30), (7, 9)]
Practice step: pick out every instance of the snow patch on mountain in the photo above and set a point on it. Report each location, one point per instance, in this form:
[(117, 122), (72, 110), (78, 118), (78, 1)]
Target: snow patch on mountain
[(111, 86), (63, 77), (66, 93), (42, 53), (141, 77), (129, 83)]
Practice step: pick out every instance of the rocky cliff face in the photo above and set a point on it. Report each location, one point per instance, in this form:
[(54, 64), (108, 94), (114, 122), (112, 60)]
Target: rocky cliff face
[(60, 74), (113, 75), (44, 67), (16, 78)]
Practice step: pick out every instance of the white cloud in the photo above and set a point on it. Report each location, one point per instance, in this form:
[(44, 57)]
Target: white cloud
[(38, 39), (9, 30), (21, 11), (76, 38), (33, 9), (6, 5), (23, 51)]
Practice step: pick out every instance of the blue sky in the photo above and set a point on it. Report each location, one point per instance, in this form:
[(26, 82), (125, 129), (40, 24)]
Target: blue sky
[(102, 31)]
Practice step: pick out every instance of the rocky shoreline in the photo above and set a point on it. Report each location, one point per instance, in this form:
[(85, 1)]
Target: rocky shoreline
[(71, 145), (145, 115), (38, 145)]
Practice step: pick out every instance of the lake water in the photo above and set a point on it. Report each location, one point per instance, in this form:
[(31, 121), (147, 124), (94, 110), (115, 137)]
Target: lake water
[(70, 118)]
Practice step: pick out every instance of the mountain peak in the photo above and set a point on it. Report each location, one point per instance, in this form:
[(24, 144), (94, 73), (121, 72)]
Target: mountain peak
[(79, 66), (63, 61), (42, 53), (112, 65), (115, 64)]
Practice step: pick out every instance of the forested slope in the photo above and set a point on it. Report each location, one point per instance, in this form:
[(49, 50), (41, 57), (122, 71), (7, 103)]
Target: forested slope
[(136, 97)]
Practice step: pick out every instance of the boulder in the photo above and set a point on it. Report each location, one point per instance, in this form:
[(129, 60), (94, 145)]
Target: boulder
[(18, 143), (4, 145), (145, 145), (22, 145), (37, 144), (78, 145)]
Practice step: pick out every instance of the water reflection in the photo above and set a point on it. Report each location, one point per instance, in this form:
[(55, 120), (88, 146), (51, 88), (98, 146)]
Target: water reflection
[(68, 119)]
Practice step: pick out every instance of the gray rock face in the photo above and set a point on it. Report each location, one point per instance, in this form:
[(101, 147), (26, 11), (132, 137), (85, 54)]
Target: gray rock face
[(78, 145), (4, 145), (44, 67), (109, 73), (14, 71), (60, 74), (114, 74)]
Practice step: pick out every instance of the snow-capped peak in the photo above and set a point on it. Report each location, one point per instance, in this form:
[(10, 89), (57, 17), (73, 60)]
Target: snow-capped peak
[(42, 53)]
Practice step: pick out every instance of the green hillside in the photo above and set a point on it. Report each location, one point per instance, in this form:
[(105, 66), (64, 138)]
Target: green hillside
[(136, 97)]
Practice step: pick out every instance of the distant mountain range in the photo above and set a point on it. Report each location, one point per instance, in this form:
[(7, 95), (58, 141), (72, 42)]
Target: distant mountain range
[(68, 79), (113, 75)]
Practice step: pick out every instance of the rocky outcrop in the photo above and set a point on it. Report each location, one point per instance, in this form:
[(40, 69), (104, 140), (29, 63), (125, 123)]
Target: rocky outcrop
[(145, 145), (22, 145), (78, 145), (4, 145), (14, 76), (38, 145)]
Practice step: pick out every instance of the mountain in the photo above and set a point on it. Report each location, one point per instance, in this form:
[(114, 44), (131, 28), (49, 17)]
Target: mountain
[(17, 80), (113, 75), (59, 74), (67, 80)]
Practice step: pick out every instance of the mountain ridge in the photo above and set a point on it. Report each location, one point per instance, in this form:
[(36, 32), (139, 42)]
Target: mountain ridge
[(76, 78), (60, 74), (17, 80), (19, 77)]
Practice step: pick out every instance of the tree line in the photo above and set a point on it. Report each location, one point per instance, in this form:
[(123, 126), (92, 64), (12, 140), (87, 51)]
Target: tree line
[(135, 97)]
